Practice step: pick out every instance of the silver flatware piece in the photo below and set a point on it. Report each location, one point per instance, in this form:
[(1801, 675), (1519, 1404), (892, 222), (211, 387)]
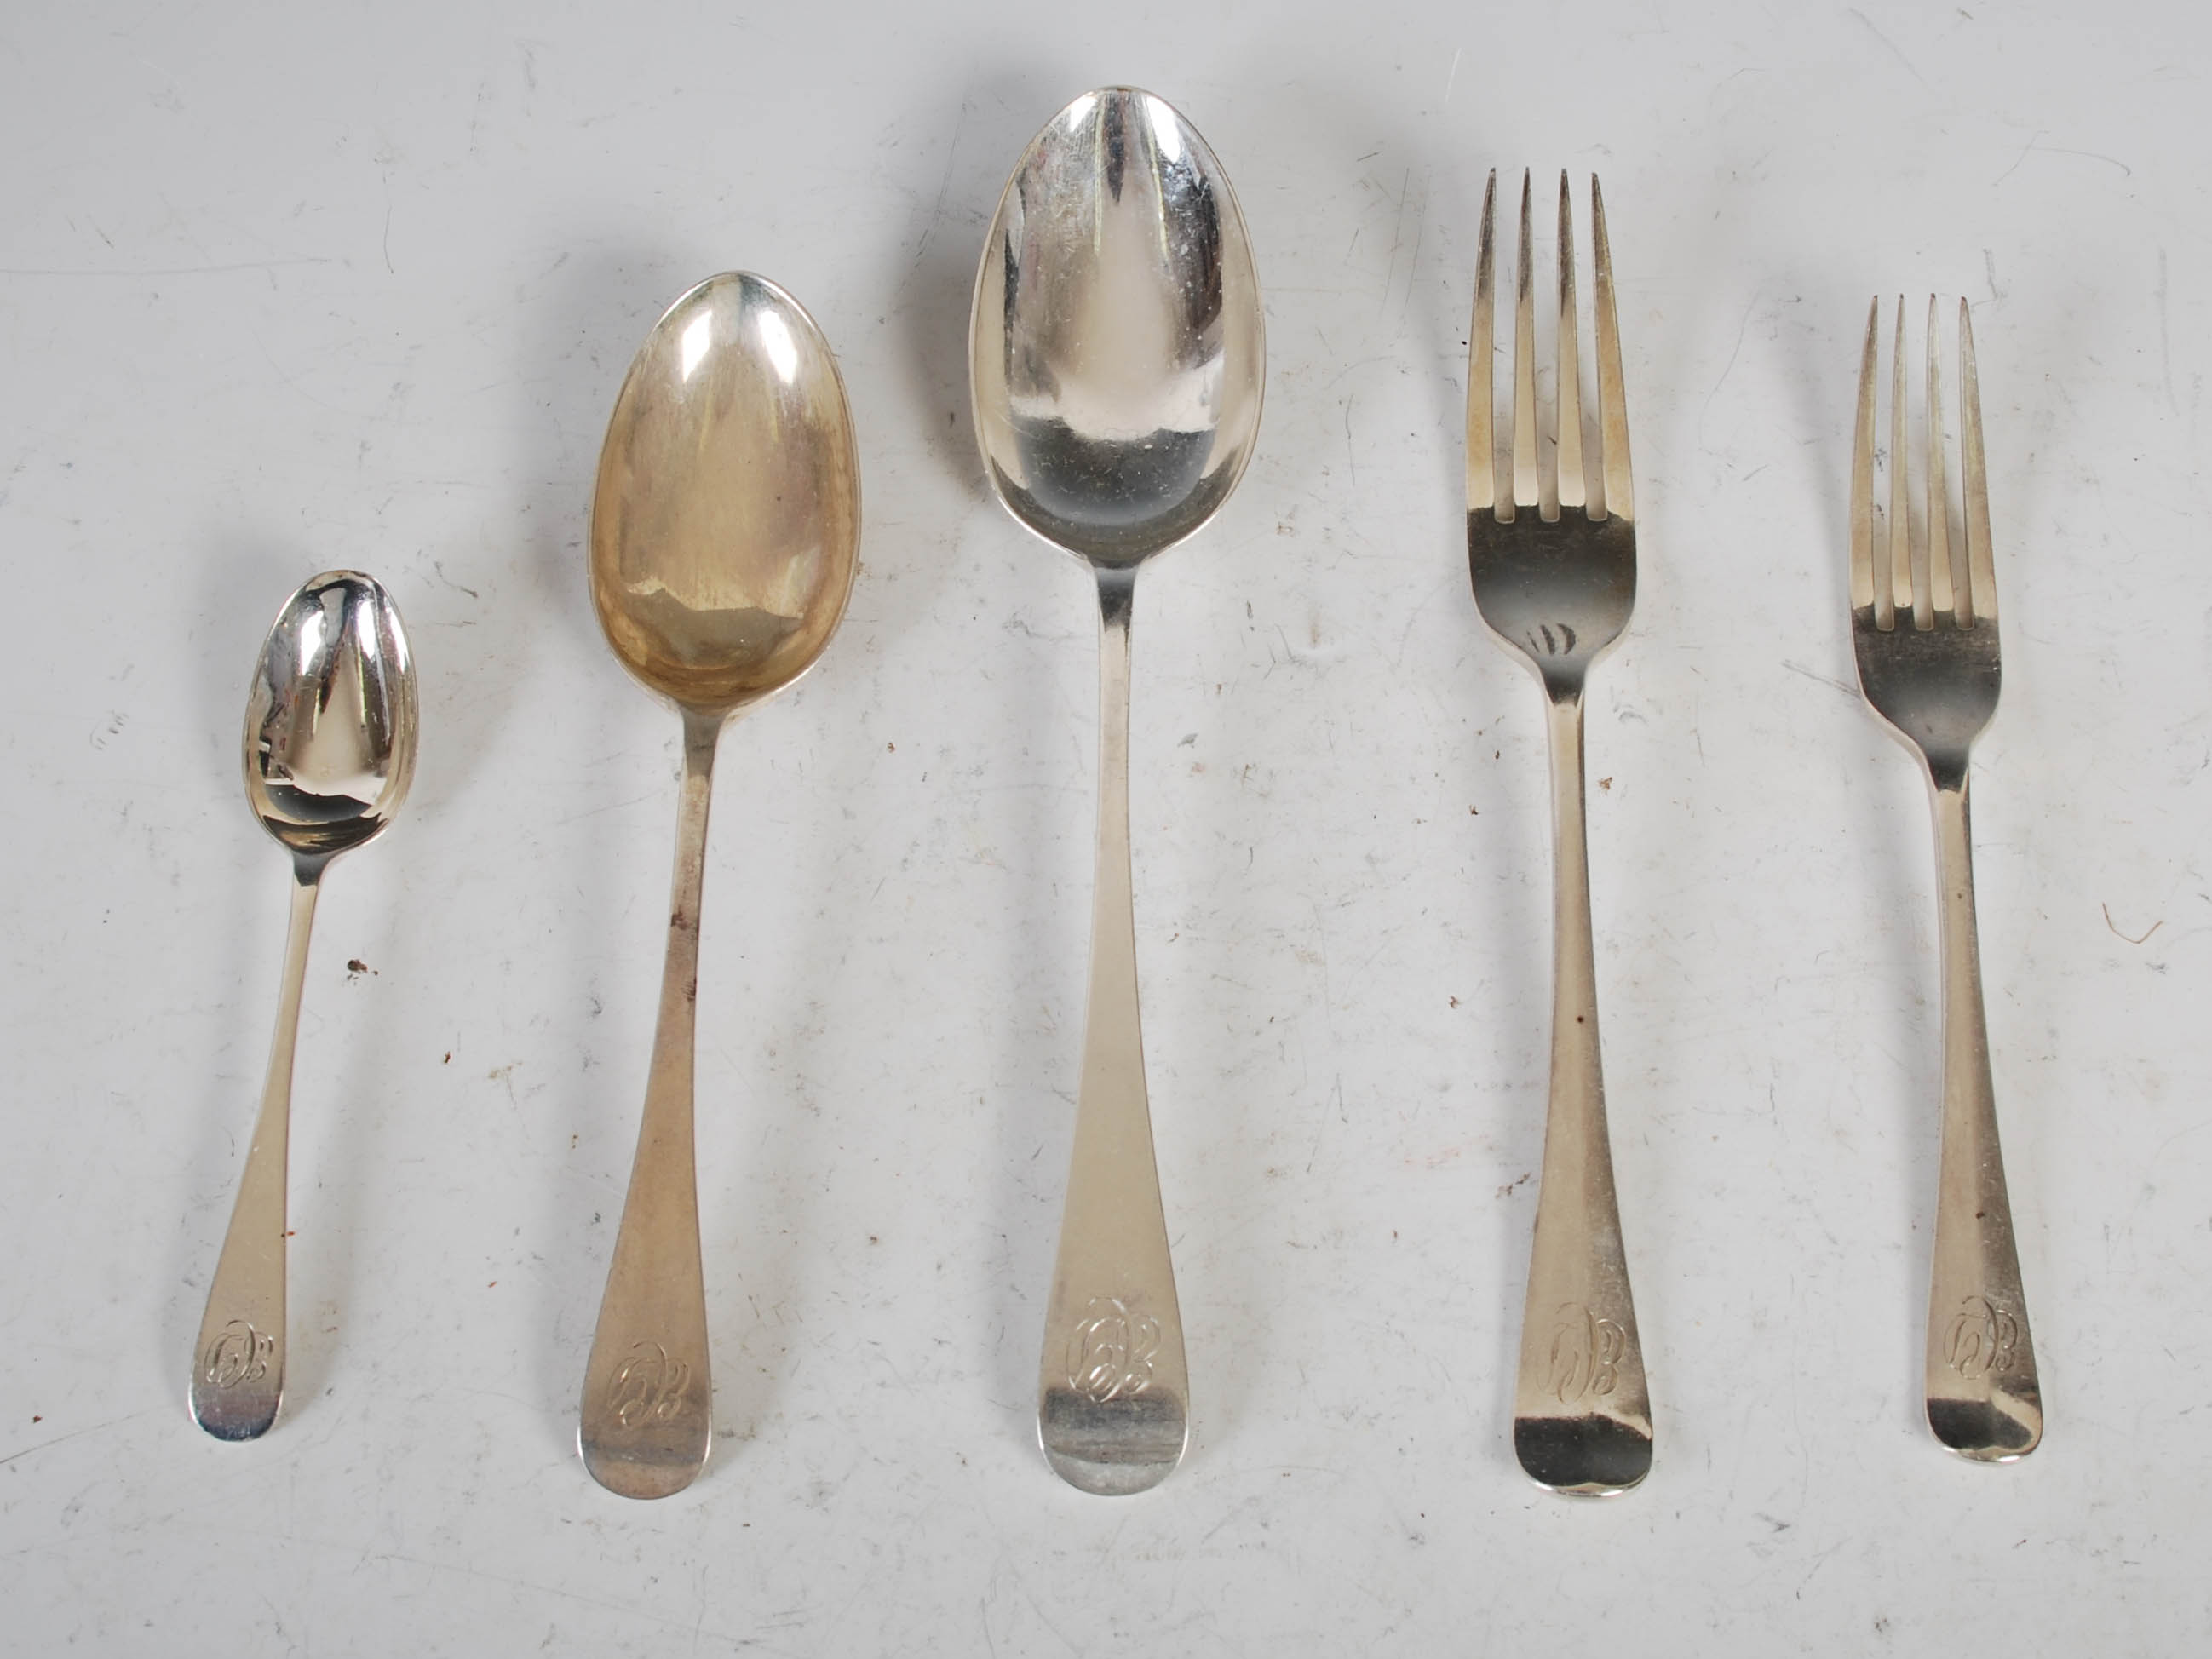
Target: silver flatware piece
[(1117, 360), (329, 752), (726, 531), (1924, 630), (1552, 552)]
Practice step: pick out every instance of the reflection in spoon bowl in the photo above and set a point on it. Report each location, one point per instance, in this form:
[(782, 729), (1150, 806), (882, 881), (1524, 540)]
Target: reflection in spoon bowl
[(726, 515), (1117, 332), (329, 737)]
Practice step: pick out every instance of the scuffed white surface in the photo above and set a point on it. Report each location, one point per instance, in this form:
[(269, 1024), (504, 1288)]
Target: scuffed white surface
[(284, 287)]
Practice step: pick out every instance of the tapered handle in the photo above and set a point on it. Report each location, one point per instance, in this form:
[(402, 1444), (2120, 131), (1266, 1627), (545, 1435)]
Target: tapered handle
[(1984, 1399), (1582, 1414), (1113, 1397), (238, 1363), (647, 1420)]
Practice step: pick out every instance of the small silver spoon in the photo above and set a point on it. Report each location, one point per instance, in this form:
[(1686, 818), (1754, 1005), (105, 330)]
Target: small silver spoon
[(1115, 358), (726, 529), (329, 751)]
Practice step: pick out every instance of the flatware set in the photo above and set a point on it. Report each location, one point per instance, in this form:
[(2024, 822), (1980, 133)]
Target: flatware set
[(1116, 363)]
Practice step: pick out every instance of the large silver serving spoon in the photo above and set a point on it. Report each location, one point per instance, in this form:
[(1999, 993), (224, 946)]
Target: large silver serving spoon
[(725, 532), (1116, 357), (329, 750)]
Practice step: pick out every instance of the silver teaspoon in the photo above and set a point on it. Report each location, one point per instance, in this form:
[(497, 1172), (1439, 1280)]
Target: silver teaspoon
[(329, 751), (726, 529), (1115, 358)]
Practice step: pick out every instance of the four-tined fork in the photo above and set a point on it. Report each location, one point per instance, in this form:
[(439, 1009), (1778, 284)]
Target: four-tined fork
[(1553, 568), (1924, 627)]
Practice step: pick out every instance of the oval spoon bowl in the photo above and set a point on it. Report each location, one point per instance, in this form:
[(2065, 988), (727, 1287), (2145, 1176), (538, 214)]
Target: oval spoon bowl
[(726, 520), (1116, 346)]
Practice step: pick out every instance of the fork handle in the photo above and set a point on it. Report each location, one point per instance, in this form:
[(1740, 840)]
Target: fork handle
[(1582, 1414), (1984, 1401)]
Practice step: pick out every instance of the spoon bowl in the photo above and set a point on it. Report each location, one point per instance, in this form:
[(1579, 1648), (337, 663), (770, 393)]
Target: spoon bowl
[(726, 531), (329, 751), (726, 524), (1116, 350), (1116, 359), (330, 718)]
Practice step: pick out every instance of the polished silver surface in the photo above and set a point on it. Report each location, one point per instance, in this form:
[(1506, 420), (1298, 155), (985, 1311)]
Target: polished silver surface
[(1116, 360), (329, 752), (1924, 630), (1553, 563), (726, 531)]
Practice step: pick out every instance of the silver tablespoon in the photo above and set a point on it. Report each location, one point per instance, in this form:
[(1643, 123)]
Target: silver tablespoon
[(1115, 358), (329, 751), (726, 528)]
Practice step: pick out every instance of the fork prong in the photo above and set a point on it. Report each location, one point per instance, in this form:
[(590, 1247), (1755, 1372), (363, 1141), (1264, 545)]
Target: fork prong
[(1481, 352), (1982, 575), (1573, 488), (1865, 590), (1525, 484), (1908, 594), (1612, 406), (1937, 511)]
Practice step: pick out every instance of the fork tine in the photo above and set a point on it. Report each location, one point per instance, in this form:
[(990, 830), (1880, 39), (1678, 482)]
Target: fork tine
[(1482, 351), (1982, 575), (1864, 591), (1908, 594), (1525, 486), (1612, 406), (1938, 512), (1573, 488)]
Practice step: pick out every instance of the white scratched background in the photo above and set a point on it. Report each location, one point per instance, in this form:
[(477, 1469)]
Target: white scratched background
[(287, 286)]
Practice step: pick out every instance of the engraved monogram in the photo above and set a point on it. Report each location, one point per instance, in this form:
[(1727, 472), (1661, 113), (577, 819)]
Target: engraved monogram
[(1585, 1357), (1981, 1339), (239, 1354), (1110, 1353), (647, 1386)]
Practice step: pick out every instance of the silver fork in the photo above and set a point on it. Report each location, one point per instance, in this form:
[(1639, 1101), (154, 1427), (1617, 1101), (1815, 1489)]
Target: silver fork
[(1924, 628), (1554, 575)]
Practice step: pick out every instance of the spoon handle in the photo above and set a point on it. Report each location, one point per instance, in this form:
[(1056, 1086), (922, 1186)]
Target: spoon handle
[(1582, 1415), (238, 1362), (645, 1423), (1113, 1390)]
